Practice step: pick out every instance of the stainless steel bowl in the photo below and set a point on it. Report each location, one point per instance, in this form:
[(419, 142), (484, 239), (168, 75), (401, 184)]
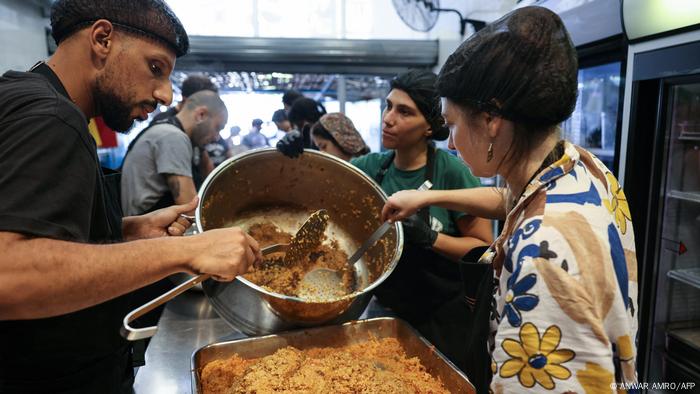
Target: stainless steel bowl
[(266, 183)]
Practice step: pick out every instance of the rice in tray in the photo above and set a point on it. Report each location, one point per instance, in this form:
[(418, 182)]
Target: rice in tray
[(375, 366)]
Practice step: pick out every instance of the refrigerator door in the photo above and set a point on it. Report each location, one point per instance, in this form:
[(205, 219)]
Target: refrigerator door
[(593, 125), (676, 332)]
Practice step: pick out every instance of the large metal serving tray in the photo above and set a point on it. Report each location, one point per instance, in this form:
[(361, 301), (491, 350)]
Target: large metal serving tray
[(336, 336)]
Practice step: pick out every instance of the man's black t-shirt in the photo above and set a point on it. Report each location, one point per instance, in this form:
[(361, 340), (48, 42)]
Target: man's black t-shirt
[(52, 186)]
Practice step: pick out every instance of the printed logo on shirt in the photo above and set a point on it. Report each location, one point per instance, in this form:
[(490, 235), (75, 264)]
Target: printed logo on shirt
[(436, 225)]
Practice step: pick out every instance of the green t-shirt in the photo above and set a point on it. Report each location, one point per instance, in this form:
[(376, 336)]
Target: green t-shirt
[(449, 173)]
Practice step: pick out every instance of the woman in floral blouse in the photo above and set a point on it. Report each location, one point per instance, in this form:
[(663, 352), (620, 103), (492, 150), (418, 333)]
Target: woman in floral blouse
[(565, 267)]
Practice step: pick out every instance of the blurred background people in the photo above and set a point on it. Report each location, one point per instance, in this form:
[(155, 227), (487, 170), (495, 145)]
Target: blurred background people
[(193, 84), (335, 134), (201, 162), (303, 114), (255, 139), (289, 97), (280, 119), (218, 151), (157, 170)]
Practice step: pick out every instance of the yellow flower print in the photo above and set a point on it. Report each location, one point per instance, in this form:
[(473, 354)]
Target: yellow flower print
[(595, 379), (618, 203), (536, 360)]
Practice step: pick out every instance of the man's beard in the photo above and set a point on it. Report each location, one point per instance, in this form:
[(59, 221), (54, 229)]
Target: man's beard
[(115, 111), (199, 133)]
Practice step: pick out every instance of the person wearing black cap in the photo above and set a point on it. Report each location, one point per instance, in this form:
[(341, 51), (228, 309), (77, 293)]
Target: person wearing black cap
[(303, 114), (280, 119), (426, 287), (65, 269), (564, 296), (289, 97)]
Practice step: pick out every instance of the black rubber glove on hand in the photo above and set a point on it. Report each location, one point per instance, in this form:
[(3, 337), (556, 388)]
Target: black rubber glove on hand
[(419, 232), (292, 144)]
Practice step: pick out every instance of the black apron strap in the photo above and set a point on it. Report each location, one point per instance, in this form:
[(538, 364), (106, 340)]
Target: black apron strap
[(477, 363), (385, 167), (429, 166)]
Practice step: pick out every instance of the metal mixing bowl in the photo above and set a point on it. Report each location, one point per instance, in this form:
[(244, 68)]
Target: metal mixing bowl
[(263, 184)]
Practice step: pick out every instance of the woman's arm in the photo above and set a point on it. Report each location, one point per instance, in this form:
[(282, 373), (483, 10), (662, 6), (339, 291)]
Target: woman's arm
[(484, 202), (474, 232)]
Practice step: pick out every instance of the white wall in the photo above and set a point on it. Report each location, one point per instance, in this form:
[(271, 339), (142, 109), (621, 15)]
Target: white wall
[(22, 37)]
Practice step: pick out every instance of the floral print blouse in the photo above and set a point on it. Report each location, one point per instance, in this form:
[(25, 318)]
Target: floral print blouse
[(565, 302)]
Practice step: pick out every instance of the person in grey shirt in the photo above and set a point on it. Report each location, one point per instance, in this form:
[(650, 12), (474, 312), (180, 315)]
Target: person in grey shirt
[(157, 169)]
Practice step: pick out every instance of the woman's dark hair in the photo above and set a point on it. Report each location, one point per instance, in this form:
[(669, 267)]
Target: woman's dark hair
[(196, 83), (420, 86), (279, 116), (318, 131), (305, 110), (290, 96), (522, 67)]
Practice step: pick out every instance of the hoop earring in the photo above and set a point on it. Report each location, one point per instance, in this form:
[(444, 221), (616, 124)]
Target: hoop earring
[(489, 153)]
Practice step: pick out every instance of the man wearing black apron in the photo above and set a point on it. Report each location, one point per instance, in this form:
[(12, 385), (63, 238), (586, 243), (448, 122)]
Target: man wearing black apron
[(63, 271)]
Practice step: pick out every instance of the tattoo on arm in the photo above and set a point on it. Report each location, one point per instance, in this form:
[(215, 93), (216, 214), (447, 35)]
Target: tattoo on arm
[(174, 185)]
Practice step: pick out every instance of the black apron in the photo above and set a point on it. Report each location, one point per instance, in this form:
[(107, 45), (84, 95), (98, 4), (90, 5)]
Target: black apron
[(112, 187), (427, 290), (479, 293), (113, 373)]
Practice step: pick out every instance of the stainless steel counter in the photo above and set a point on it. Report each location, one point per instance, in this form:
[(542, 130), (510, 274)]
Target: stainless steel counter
[(187, 324)]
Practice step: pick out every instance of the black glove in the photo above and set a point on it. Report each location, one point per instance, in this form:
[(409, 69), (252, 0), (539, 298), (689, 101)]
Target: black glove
[(419, 232), (292, 144)]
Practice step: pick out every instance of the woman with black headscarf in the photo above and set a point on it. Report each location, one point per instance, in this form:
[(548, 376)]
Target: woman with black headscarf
[(565, 291), (426, 287), (303, 114)]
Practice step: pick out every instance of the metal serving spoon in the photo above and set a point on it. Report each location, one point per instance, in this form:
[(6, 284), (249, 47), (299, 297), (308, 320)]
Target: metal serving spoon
[(306, 239), (326, 283)]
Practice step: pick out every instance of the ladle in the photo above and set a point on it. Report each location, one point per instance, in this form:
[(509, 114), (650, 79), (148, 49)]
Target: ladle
[(307, 238), (327, 283)]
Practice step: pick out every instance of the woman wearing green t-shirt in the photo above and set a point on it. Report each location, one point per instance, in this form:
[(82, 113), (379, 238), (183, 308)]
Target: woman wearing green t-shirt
[(426, 287)]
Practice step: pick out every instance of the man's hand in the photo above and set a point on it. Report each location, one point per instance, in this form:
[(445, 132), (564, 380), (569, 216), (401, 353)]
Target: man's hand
[(292, 144), (160, 223), (403, 204), (223, 253)]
